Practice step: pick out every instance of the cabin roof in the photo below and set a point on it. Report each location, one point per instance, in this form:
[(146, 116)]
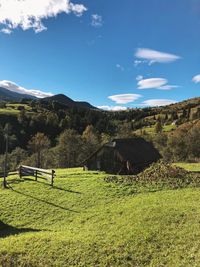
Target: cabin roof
[(135, 150)]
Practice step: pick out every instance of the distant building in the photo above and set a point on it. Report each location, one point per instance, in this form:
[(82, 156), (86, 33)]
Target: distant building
[(123, 156)]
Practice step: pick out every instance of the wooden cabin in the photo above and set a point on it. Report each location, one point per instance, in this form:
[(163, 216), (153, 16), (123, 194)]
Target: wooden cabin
[(123, 156)]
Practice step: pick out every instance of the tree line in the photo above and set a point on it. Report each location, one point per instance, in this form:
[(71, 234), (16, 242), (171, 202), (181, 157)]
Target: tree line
[(51, 135)]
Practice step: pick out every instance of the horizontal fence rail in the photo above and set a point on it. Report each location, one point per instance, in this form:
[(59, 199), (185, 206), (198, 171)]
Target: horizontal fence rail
[(48, 175)]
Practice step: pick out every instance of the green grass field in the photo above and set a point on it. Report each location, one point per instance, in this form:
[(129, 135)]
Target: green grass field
[(9, 111), (85, 221), (16, 106), (151, 130), (195, 167), (12, 109)]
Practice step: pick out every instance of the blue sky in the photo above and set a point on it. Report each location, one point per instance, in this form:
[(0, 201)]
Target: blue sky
[(113, 54)]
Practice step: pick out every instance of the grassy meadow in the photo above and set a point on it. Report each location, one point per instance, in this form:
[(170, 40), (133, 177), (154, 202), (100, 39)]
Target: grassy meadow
[(13, 109), (85, 221), (151, 130), (194, 167)]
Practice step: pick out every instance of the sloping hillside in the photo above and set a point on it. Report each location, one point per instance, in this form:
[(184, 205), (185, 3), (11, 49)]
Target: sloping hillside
[(85, 221), (7, 95), (68, 102)]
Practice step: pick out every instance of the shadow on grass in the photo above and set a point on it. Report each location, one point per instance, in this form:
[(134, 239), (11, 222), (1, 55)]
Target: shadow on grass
[(67, 190), (54, 187), (7, 230), (41, 200), (15, 181)]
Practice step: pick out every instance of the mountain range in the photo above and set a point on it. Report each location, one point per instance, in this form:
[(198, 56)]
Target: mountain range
[(64, 100), (11, 96), (7, 95)]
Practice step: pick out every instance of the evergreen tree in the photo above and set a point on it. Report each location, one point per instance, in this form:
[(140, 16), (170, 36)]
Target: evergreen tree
[(158, 127)]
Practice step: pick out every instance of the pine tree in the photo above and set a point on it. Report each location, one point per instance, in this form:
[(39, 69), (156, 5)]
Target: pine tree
[(158, 127)]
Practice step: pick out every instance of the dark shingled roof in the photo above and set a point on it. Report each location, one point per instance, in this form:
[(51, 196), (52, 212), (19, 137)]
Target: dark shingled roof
[(135, 150)]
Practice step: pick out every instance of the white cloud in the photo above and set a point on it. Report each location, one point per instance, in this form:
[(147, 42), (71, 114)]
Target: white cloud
[(112, 108), (158, 102), (138, 62), (152, 83), (6, 31), (139, 78), (156, 83), (196, 79), (153, 56), (29, 14), (120, 67), (168, 87), (97, 20), (21, 90), (124, 98)]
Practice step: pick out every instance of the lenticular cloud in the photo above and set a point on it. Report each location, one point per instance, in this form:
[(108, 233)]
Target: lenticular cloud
[(29, 14), (153, 56)]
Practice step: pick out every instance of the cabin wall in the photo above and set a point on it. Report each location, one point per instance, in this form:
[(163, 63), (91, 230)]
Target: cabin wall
[(105, 160), (110, 161)]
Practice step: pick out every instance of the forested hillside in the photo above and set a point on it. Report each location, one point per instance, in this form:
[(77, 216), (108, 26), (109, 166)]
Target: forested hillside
[(72, 134)]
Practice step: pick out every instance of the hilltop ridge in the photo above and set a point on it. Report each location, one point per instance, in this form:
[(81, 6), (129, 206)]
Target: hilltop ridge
[(68, 102)]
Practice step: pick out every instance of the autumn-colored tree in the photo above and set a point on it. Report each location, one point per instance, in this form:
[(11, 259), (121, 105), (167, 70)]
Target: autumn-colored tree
[(178, 143), (193, 141), (65, 123), (91, 140), (52, 119), (38, 144), (69, 149)]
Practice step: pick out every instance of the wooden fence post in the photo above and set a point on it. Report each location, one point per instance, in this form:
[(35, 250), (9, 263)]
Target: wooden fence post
[(52, 177), (20, 172), (36, 175)]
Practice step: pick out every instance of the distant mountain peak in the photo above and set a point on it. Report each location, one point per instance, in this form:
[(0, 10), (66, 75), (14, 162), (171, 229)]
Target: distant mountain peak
[(68, 102), (7, 95)]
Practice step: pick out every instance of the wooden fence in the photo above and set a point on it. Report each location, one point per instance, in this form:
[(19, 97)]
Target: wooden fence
[(10, 173), (4, 176), (48, 175)]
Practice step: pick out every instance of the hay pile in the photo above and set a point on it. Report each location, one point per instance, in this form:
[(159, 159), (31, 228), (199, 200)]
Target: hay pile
[(160, 175)]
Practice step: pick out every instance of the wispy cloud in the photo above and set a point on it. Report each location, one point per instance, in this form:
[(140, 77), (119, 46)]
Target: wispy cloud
[(21, 90), (29, 14), (158, 102), (112, 108), (97, 21), (138, 62), (6, 31), (155, 83), (120, 67), (168, 87), (152, 56), (196, 79), (124, 98), (139, 78)]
